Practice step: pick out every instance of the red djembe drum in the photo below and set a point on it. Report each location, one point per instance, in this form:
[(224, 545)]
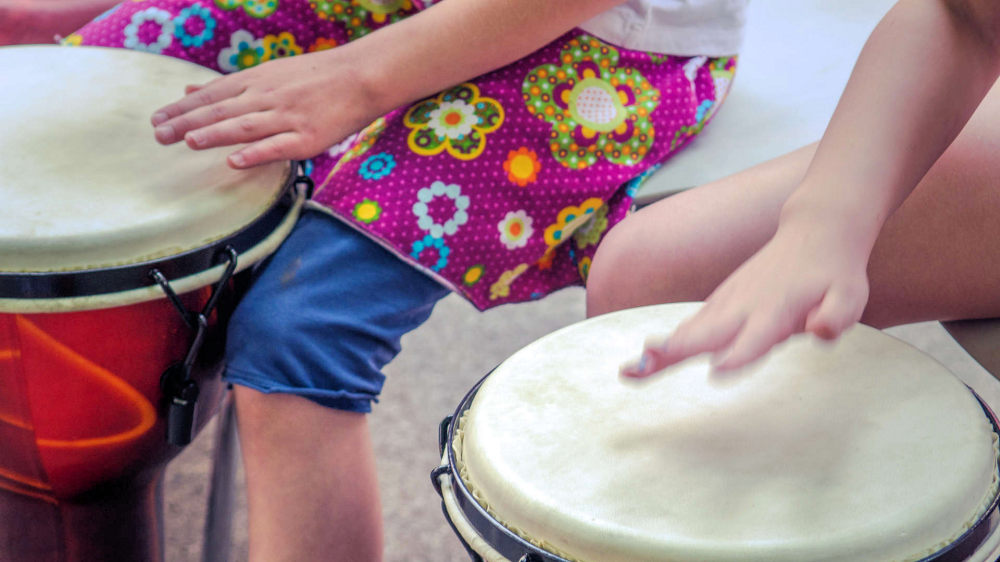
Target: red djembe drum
[(119, 262)]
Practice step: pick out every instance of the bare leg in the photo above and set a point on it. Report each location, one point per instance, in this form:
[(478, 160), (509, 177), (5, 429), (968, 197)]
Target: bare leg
[(311, 484), (937, 257)]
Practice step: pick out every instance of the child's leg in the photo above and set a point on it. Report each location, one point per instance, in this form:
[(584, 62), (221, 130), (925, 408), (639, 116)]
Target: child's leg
[(311, 487), (681, 248), (936, 257), (305, 349)]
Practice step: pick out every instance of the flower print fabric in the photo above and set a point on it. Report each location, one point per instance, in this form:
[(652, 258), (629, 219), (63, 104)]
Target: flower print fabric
[(500, 187)]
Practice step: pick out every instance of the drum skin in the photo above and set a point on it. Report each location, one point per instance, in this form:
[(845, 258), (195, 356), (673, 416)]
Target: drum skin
[(82, 427), (92, 206)]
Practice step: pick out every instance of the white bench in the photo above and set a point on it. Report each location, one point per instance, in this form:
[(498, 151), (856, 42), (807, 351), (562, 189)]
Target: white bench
[(795, 62)]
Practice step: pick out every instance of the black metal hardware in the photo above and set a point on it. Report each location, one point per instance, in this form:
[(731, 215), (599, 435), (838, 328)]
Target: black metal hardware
[(179, 389)]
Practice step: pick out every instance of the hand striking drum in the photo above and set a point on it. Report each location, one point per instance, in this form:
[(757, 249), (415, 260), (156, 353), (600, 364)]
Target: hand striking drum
[(867, 450)]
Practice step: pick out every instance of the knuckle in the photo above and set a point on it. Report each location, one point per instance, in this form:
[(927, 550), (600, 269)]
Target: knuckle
[(217, 112), (203, 97), (246, 124)]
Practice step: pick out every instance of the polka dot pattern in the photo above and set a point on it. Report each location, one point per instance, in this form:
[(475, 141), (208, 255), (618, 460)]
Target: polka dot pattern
[(466, 184)]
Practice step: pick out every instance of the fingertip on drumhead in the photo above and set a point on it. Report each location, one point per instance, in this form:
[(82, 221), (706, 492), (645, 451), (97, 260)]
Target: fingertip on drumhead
[(237, 160)]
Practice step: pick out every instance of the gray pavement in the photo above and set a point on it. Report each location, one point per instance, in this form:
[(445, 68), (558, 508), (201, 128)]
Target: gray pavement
[(439, 363)]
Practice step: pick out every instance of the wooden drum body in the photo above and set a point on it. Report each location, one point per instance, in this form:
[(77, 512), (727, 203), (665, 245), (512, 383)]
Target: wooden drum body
[(865, 450), (120, 261)]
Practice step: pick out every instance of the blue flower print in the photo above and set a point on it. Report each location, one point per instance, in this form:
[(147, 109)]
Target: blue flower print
[(377, 166), (702, 110), (107, 13), (196, 17), (155, 17), (632, 186), (430, 242)]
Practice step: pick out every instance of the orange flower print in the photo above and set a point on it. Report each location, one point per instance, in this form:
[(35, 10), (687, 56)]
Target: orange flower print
[(522, 166), (322, 44)]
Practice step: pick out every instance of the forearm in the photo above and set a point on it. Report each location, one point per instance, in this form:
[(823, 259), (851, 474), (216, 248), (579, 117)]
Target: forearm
[(920, 76), (457, 40)]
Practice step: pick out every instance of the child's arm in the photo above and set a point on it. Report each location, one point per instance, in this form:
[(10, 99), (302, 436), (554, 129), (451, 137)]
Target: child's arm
[(40, 21), (922, 73), (296, 107)]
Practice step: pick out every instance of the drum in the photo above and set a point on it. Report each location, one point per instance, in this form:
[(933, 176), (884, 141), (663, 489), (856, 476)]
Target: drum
[(120, 260), (864, 450)]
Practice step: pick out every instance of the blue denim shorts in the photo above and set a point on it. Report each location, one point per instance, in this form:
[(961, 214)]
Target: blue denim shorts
[(324, 314)]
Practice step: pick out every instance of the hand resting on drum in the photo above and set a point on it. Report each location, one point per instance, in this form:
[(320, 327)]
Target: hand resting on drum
[(296, 107), (290, 108), (892, 124)]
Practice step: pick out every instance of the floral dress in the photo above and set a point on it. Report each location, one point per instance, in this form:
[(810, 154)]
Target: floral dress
[(500, 187)]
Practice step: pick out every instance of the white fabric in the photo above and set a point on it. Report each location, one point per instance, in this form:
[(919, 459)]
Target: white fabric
[(675, 27), (866, 450)]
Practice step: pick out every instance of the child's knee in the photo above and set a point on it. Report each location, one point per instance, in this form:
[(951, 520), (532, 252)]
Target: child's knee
[(608, 281)]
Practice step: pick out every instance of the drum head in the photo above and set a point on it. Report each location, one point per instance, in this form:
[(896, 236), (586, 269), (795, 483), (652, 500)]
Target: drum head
[(85, 186), (866, 450)]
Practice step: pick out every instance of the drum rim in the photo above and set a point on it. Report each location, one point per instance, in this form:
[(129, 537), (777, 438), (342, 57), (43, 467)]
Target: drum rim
[(509, 544), (502, 539), (100, 281)]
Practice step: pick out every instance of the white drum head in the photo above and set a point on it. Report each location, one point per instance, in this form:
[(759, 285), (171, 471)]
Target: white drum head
[(83, 183), (867, 450)]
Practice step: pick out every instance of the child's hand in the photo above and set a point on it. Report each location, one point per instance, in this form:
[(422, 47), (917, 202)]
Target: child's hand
[(805, 279), (290, 108)]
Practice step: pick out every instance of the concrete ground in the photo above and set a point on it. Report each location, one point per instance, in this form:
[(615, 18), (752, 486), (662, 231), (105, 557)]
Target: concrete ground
[(438, 365)]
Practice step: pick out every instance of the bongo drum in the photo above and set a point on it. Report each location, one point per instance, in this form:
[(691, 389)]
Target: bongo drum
[(119, 262), (863, 450)]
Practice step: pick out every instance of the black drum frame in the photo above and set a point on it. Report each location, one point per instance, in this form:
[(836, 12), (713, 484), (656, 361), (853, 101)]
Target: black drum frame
[(513, 547), (109, 280)]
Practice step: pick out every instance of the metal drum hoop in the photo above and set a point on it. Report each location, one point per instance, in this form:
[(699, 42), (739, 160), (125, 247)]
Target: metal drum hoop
[(63, 287)]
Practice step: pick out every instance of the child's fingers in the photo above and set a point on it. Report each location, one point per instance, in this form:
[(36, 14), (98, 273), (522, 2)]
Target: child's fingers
[(699, 334), (760, 333), (710, 330), (840, 308), (243, 129), (207, 94), (283, 146), (229, 109)]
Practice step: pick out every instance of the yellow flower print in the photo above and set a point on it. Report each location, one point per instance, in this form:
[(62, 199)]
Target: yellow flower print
[(72, 40), (367, 211), (591, 232), (584, 268), (473, 275), (570, 219), (280, 46), (522, 166), (457, 120), (501, 289)]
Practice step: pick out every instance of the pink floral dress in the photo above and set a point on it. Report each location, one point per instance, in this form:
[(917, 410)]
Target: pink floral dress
[(500, 187)]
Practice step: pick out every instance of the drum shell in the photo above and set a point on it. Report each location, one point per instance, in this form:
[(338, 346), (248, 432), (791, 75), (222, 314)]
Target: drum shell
[(80, 397)]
